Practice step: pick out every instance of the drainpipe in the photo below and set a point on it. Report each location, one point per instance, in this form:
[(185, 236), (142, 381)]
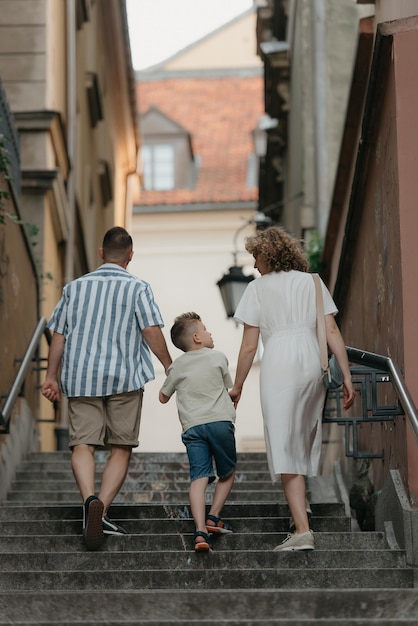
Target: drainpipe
[(320, 114), (61, 431)]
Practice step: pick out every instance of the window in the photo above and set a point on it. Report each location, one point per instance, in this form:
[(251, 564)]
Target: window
[(158, 162)]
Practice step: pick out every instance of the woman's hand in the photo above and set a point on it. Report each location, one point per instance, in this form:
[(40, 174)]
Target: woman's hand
[(349, 393), (235, 395)]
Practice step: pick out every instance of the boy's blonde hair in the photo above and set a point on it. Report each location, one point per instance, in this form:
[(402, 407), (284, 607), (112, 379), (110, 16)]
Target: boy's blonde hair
[(184, 326)]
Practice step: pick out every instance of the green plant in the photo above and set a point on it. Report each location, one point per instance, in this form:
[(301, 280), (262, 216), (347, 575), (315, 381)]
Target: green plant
[(314, 247)]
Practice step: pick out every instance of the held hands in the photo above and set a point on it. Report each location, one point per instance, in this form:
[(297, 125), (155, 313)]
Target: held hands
[(50, 390), (235, 395)]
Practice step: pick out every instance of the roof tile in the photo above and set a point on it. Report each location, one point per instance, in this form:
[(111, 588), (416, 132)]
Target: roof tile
[(220, 114)]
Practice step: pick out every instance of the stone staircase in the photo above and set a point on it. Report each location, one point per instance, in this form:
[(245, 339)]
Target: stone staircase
[(153, 576)]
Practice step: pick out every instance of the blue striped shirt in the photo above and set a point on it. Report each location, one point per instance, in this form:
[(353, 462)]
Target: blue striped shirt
[(101, 316)]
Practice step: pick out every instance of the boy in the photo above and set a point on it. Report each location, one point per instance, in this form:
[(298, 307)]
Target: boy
[(200, 377)]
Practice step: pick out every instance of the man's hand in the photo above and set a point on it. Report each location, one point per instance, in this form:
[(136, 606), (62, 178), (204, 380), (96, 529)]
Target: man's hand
[(51, 391)]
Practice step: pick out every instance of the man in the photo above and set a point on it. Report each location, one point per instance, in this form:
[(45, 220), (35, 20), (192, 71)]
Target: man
[(104, 326)]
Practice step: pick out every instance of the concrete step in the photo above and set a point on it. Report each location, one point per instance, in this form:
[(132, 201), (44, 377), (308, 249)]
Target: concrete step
[(244, 509), (140, 465), (141, 484), (154, 572), (154, 495), (185, 558), (340, 607), (71, 541), (139, 457), (136, 526), (207, 578)]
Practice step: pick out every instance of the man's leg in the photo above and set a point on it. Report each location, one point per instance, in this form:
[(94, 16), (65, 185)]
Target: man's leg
[(114, 474), (84, 467)]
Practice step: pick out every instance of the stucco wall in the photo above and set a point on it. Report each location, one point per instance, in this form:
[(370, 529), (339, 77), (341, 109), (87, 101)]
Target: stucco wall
[(18, 303), (183, 255), (381, 305)]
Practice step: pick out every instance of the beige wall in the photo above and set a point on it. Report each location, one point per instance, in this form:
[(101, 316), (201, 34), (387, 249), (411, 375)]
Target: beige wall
[(62, 151), (387, 10), (216, 51), (340, 43), (183, 255)]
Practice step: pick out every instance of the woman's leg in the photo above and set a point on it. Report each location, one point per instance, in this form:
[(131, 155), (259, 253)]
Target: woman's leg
[(295, 492)]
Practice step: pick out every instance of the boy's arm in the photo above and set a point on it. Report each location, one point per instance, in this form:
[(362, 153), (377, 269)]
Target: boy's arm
[(163, 398)]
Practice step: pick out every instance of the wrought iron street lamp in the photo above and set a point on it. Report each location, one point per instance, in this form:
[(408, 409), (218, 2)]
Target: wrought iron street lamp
[(233, 284)]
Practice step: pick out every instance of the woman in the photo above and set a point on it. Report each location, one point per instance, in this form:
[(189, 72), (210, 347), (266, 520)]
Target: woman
[(281, 305)]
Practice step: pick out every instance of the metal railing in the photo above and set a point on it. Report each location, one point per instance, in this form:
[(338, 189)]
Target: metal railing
[(26, 363), (369, 371)]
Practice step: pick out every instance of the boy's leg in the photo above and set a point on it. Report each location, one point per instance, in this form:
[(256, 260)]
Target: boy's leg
[(224, 451), (222, 491), (197, 502)]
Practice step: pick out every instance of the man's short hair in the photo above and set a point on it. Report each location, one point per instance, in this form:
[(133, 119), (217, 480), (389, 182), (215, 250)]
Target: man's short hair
[(117, 242)]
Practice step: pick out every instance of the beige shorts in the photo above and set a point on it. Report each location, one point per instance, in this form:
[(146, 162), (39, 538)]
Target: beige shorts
[(105, 420)]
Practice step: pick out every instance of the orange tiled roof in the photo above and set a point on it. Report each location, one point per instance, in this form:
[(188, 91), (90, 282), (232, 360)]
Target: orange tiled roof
[(219, 114)]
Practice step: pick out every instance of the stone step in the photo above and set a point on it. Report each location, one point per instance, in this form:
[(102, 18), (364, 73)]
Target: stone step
[(154, 569), (9, 511), (185, 559), (143, 457), (241, 525), (140, 465), (142, 484), (342, 607), (205, 578), (156, 495), (72, 541), (65, 473)]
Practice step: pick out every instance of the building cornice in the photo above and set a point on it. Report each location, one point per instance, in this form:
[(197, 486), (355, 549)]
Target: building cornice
[(139, 209)]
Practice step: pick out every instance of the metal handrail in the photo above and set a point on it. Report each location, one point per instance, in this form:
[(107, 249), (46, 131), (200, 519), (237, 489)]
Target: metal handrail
[(385, 364), (6, 412)]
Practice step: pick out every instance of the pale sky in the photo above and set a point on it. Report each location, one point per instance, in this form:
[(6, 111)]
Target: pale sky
[(160, 28)]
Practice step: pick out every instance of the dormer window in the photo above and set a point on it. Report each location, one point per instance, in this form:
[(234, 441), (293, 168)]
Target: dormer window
[(158, 163), (167, 155)]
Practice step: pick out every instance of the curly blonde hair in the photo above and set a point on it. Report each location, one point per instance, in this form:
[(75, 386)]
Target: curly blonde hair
[(278, 249)]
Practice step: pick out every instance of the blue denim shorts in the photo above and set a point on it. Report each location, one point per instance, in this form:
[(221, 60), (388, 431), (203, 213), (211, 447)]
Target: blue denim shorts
[(206, 443)]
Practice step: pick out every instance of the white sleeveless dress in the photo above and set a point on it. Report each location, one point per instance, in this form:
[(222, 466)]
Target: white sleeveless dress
[(282, 305)]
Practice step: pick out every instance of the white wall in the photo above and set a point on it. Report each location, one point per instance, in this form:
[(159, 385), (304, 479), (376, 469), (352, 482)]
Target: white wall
[(182, 256)]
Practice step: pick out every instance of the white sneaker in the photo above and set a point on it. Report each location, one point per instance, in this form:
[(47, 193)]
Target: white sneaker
[(297, 541)]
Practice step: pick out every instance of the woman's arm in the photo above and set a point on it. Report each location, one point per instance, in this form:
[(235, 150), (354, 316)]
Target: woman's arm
[(337, 346), (246, 355)]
